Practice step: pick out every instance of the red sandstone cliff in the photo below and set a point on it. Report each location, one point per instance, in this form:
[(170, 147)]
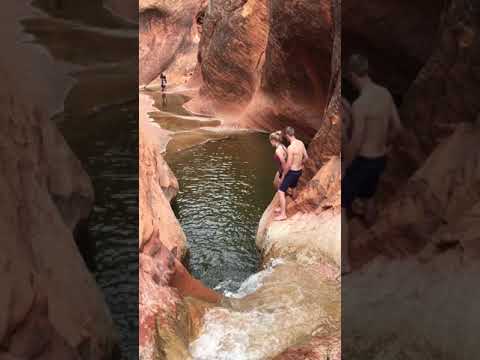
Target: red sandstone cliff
[(266, 65), (259, 64), (168, 40)]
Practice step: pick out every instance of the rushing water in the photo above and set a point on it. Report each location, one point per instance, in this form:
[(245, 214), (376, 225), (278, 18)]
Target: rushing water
[(274, 309), (107, 145), (225, 185)]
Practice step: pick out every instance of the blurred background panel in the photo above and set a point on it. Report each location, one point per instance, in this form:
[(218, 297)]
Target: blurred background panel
[(70, 109)]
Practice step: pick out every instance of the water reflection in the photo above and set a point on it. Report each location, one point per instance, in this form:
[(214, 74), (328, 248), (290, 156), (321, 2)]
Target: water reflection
[(164, 102)]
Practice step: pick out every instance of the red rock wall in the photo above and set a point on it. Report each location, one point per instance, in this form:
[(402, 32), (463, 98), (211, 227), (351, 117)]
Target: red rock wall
[(426, 55), (168, 39), (267, 65), (231, 52)]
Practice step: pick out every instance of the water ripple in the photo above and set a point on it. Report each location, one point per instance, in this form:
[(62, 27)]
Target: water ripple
[(224, 188)]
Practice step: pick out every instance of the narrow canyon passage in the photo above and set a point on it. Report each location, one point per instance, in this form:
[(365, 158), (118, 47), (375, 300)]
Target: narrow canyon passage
[(225, 185)]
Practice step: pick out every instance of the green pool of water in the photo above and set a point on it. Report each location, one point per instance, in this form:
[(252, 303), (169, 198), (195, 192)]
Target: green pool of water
[(225, 186)]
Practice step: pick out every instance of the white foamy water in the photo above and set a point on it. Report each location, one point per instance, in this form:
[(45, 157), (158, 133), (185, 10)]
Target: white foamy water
[(250, 285), (224, 339), (271, 311)]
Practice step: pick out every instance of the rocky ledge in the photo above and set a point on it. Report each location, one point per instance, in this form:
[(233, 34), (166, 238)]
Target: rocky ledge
[(165, 285)]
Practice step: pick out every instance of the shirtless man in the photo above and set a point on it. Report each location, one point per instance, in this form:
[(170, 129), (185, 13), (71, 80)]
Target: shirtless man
[(296, 157), (375, 122)]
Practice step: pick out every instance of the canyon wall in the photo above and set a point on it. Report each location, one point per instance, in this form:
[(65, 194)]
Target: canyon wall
[(397, 37), (423, 246), (169, 37), (257, 64), (45, 193), (267, 65), (164, 283)]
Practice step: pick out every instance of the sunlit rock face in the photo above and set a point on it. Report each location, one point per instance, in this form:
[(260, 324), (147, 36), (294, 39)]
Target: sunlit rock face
[(157, 187), (267, 65), (232, 51), (299, 73), (169, 37), (45, 193)]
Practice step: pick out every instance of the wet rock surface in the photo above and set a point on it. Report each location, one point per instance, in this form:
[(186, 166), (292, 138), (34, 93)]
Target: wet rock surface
[(313, 225)]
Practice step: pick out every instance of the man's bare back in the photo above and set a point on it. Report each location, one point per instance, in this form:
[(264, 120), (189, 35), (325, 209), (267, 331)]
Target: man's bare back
[(376, 114), (298, 153)]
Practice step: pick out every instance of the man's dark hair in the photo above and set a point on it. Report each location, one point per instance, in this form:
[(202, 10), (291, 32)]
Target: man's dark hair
[(358, 64), (290, 131)]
